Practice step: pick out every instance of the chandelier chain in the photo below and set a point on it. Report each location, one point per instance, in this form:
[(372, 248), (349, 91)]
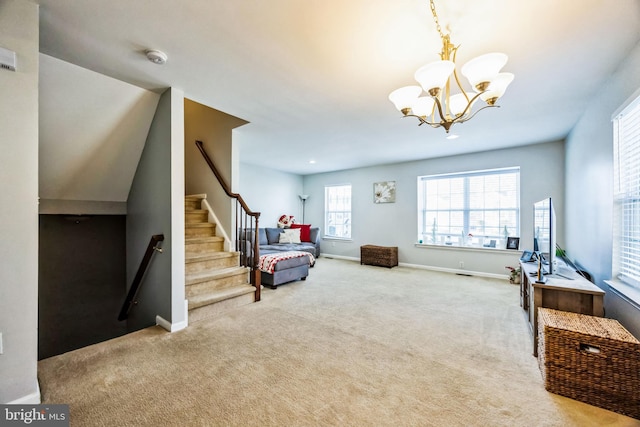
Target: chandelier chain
[(435, 18)]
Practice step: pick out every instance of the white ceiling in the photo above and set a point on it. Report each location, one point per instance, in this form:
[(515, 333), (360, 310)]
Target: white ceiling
[(312, 77)]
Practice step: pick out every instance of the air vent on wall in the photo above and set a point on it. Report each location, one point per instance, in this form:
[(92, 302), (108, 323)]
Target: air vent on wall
[(7, 59)]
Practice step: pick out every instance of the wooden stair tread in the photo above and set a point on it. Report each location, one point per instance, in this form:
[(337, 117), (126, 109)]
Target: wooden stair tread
[(209, 256), (222, 294), (199, 225), (203, 239), (191, 279), (195, 196)]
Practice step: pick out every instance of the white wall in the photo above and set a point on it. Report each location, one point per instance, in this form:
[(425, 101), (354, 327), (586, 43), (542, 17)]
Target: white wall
[(589, 172), (19, 205), (272, 193), (395, 224)]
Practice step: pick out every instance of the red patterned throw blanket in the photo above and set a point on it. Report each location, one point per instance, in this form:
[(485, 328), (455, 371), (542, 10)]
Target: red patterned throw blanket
[(268, 262)]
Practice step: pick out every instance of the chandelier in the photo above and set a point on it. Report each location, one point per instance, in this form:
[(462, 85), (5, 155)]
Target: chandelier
[(441, 108)]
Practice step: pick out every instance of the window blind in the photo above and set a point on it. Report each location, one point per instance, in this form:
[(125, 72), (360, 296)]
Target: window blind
[(626, 193)]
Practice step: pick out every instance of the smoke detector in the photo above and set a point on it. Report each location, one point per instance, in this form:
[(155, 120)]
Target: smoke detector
[(156, 56)]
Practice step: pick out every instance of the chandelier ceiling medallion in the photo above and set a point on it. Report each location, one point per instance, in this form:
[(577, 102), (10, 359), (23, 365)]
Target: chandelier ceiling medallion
[(441, 108)]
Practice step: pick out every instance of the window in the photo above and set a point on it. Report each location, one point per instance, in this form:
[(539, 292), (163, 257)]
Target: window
[(626, 195), (337, 211), (469, 209)]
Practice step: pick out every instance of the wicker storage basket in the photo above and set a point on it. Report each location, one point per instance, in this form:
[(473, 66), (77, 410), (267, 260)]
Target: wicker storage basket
[(590, 359), (385, 256)]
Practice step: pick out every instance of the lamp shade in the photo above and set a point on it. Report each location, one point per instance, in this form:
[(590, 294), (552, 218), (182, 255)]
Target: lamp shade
[(458, 103), (434, 75), (497, 87), (405, 97), (484, 68), (423, 106)]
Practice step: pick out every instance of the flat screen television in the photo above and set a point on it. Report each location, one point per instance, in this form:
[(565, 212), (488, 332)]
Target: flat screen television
[(544, 233)]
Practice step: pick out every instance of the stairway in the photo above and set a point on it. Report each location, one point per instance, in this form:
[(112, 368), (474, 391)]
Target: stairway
[(214, 280)]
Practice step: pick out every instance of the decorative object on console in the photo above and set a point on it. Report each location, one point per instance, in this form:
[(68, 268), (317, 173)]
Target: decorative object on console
[(384, 192), (482, 72), (285, 221)]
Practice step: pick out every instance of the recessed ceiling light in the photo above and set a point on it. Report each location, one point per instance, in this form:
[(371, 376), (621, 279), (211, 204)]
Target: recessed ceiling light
[(312, 162), (156, 56), (453, 136)]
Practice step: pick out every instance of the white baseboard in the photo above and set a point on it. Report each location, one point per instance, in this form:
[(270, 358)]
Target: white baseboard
[(428, 267), (30, 399), (174, 327), (455, 271), (347, 258)]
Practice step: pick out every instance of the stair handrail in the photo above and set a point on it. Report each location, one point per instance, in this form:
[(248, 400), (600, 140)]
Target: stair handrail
[(245, 236), (130, 300)]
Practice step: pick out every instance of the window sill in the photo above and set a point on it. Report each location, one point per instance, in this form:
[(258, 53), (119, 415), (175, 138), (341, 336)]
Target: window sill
[(469, 248), (624, 291), (338, 239)]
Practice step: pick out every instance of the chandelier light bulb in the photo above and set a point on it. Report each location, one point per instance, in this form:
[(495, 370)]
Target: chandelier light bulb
[(423, 106), (405, 97), (433, 76), (482, 70)]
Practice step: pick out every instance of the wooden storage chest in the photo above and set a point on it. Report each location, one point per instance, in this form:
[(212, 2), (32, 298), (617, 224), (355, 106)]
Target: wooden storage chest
[(384, 256), (591, 359)]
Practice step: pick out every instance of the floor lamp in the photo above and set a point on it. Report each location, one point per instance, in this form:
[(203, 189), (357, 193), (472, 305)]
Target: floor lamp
[(304, 198)]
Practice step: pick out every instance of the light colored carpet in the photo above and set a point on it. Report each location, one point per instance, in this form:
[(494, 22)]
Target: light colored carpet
[(351, 346)]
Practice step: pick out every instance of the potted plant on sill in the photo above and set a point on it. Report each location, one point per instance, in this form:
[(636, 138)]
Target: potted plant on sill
[(514, 275)]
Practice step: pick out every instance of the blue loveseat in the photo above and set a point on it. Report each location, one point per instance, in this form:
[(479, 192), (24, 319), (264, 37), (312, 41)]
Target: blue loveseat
[(269, 242)]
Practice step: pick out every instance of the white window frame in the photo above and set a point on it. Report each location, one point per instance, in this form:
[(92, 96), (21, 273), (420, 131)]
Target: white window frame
[(464, 235), (337, 211), (626, 195)]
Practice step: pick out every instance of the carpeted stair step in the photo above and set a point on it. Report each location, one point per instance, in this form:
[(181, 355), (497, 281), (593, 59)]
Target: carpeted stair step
[(194, 216), (215, 280), (205, 229), (200, 245), (216, 297), (202, 262), (194, 201), (206, 306)]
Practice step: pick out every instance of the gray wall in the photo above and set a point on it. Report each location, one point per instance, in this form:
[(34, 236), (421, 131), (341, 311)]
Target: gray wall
[(589, 172), (19, 205), (272, 193), (156, 206), (81, 281), (395, 224)]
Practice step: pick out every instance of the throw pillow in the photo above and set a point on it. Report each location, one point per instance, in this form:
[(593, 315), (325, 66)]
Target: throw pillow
[(290, 235), (285, 238), (305, 231)]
